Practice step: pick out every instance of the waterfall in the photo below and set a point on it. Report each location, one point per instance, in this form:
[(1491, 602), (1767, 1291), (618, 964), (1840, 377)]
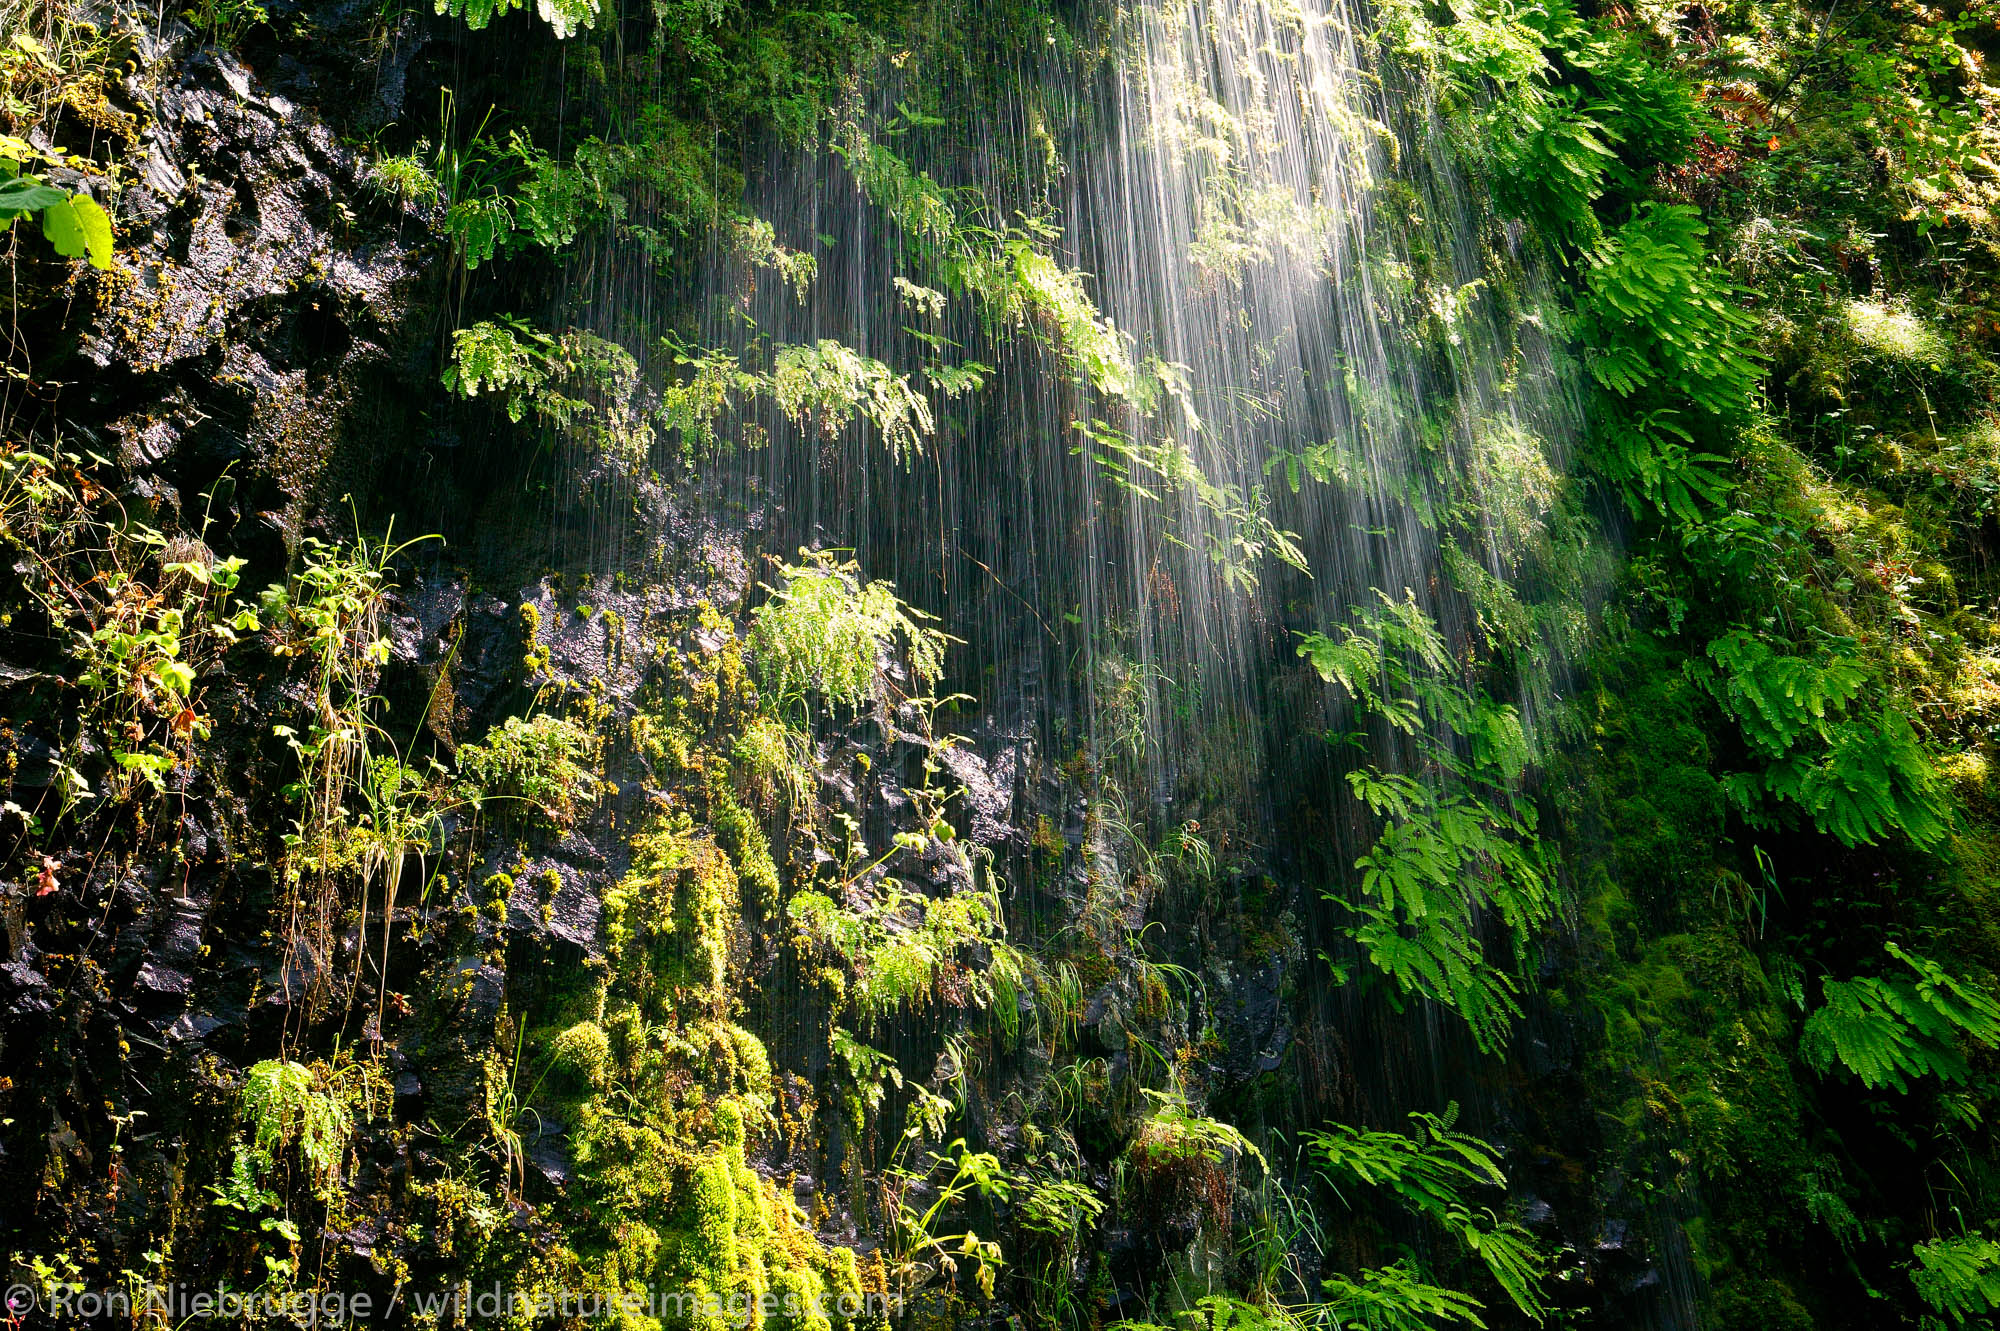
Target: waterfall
[(1250, 360), (1067, 663), (1244, 433)]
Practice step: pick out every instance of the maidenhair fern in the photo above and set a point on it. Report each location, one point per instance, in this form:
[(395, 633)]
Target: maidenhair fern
[(1777, 699), (1429, 1169), (1659, 317), (1176, 1133), (1959, 1278), (1222, 1312), (827, 384), (1872, 780), (1007, 269), (284, 1102), (1663, 330), (578, 383), (1888, 1030), (1396, 1297), (564, 16), (1238, 531), (1439, 859), (1456, 846), (503, 356), (542, 763), (1550, 154), (1860, 778), (824, 629)]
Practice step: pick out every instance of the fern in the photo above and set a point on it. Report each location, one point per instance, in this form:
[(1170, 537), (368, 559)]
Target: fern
[(1426, 1167), (1392, 660), (504, 356), (823, 629), (1512, 1257), (554, 201), (826, 384), (1175, 1131), (1221, 1312), (542, 762), (1396, 1298), (564, 16), (1959, 1278), (1872, 780), (1650, 456), (1778, 699), (1550, 154), (1439, 862), (1439, 958), (1655, 318), (480, 226), (1239, 531), (1888, 1030), (283, 1102), (1645, 106), (1008, 270), (1429, 1169), (578, 383), (1455, 847), (1858, 778)]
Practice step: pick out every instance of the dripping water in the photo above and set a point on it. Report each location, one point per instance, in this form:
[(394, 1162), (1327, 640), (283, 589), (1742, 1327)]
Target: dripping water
[(1251, 196)]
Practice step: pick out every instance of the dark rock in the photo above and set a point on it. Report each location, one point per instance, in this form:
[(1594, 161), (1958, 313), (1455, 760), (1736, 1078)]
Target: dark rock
[(548, 1151), (987, 806), (33, 760), (24, 990)]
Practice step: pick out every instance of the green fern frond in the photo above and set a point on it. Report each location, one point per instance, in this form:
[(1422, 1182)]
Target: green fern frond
[(564, 16), (1960, 1277), (1778, 699), (1430, 1169), (1888, 1030), (1397, 1298), (283, 1102), (1872, 780)]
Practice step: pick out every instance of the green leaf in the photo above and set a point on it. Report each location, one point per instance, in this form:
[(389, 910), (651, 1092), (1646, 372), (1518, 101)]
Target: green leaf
[(177, 676), (1887, 1030), (1429, 1169), (1959, 1277), (26, 194), (1397, 1298), (79, 229)]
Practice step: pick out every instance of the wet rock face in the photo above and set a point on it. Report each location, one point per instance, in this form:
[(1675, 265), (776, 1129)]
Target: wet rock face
[(271, 317), (259, 289), (258, 321)]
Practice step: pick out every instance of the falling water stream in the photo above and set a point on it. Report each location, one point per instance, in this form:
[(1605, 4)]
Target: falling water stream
[(1127, 552)]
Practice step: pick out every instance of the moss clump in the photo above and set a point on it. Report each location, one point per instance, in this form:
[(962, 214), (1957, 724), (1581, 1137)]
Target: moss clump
[(584, 1051), (770, 766), (544, 763), (671, 924)]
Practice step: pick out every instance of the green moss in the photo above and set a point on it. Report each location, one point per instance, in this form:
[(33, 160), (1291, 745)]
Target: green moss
[(543, 764), (584, 1051), (739, 830), (671, 923)]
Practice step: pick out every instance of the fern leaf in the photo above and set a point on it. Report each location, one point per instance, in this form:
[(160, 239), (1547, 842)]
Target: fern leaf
[(1888, 1030), (1959, 1277), (1397, 1298)]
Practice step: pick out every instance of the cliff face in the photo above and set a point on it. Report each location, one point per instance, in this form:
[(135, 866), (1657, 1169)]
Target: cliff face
[(217, 388), (308, 991), (1235, 665)]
